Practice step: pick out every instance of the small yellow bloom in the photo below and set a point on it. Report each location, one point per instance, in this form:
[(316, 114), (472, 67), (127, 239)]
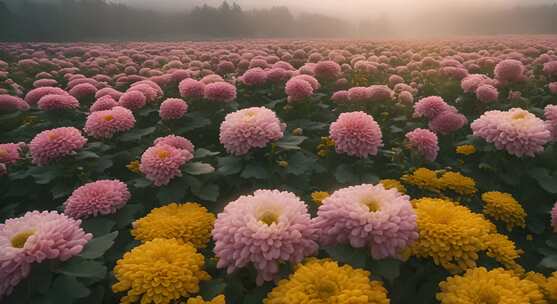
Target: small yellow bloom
[(423, 178), (199, 300), (529, 237), (503, 207), (466, 149), (133, 166), (282, 163), (393, 183), (297, 131), (319, 196)]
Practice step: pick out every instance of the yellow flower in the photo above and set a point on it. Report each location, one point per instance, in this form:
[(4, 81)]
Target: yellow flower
[(199, 300), (393, 183), (466, 149), (159, 271), (458, 183), (319, 196), (133, 166), (423, 178), (503, 207), (282, 163), (479, 285), (450, 234), (188, 223), (324, 281), (550, 288), (504, 251)]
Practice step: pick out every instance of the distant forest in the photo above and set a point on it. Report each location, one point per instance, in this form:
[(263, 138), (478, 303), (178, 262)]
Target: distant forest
[(100, 20)]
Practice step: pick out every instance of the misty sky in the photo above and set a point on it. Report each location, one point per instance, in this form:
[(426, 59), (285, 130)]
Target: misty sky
[(347, 9)]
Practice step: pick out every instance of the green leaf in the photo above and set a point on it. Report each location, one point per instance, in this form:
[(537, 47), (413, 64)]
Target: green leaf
[(41, 277), (45, 175), (209, 192), (194, 121), (388, 269), (61, 189), (299, 163), (140, 182), (66, 289), (210, 289), (102, 164), (549, 262), (173, 192), (198, 168), (346, 254), (80, 268), (201, 153), (98, 246), (544, 179), (290, 142), (136, 134), (345, 174), (229, 165), (81, 155), (255, 170), (127, 214), (98, 225)]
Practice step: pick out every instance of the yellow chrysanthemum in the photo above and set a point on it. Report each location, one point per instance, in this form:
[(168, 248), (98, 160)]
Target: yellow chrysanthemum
[(325, 146), (188, 223), (450, 234), (479, 285), (324, 281), (466, 149), (159, 271), (458, 183), (393, 183), (504, 251), (503, 207), (199, 300), (550, 288), (319, 196), (423, 178), (133, 166)]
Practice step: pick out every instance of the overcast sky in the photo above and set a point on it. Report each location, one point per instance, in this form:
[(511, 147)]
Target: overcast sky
[(342, 8)]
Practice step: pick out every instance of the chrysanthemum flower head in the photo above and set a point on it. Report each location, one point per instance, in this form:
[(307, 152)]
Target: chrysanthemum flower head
[(356, 134), (10, 153), (424, 142), (393, 184), (487, 93), (275, 227), (173, 108), (298, 89), (99, 197), (423, 178), (430, 107), (133, 100), (447, 122), (220, 299), (324, 281), (159, 271), (458, 183), (188, 223), (177, 142), (10, 103), (58, 102), (466, 149), (510, 70), (368, 216), (107, 123), (56, 143), (220, 92), (162, 162), (503, 207), (327, 70), (191, 89), (105, 102)]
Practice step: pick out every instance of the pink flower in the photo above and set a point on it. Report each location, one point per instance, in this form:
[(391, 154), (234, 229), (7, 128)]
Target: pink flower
[(510, 70), (552, 89), (254, 77), (33, 238), (10, 153), (226, 67), (368, 216), (517, 131), (394, 80), (220, 92), (550, 68), (115, 94), (487, 93), (430, 107), (54, 144), (447, 122), (554, 217), (161, 163), (406, 98), (191, 88), (104, 124), (298, 89), (249, 128), (379, 93), (100, 197), (550, 113), (34, 95), (173, 108), (11, 103), (356, 134), (359, 94), (83, 90), (327, 70), (277, 75), (340, 97), (424, 142), (265, 229), (58, 102), (177, 142), (105, 102), (211, 78), (309, 79), (133, 100), (471, 82), (45, 83)]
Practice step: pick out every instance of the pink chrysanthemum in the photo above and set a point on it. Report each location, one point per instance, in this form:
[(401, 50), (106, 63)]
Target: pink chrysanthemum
[(35, 237), (550, 114), (104, 124), (3, 169), (430, 107), (472, 82), (380, 93), (115, 94), (173, 108), (340, 97), (447, 122), (310, 79), (12, 103), (550, 68), (161, 163), (10, 153), (510, 70), (327, 70), (368, 216), (56, 143), (356, 134), (105, 102), (83, 90), (359, 94), (220, 92), (133, 100), (517, 131), (424, 142), (191, 89), (58, 102), (178, 142), (487, 93), (554, 217), (552, 89), (254, 77), (34, 95), (277, 75), (265, 229), (298, 89), (406, 97), (100, 197), (249, 128), (211, 78)]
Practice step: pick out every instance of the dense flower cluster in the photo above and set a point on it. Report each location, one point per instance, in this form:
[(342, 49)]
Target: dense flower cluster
[(503, 207), (100, 197)]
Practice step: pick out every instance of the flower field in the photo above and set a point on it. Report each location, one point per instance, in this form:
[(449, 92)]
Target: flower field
[(279, 172)]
